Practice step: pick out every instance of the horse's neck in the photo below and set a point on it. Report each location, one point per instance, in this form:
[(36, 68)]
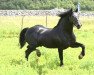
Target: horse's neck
[(64, 25)]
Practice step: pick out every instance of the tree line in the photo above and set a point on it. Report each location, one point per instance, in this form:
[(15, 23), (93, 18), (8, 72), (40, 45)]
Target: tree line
[(45, 4)]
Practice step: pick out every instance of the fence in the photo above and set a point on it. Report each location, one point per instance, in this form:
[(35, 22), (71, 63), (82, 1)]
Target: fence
[(44, 13)]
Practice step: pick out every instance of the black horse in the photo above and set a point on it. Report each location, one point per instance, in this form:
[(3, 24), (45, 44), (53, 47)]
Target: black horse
[(61, 36)]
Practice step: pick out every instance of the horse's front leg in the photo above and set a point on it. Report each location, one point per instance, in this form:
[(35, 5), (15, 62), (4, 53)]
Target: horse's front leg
[(75, 45), (60, 51)]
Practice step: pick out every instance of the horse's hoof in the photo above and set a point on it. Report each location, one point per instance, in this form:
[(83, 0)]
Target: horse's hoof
[(26, 58), (38, 53), (80, 56), (61, 66)]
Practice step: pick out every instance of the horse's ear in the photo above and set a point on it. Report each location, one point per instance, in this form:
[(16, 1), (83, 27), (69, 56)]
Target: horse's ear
[(76, 10), (70, 11)]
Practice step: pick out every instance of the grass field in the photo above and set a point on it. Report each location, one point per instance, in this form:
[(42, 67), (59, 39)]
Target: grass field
[(12, 61)]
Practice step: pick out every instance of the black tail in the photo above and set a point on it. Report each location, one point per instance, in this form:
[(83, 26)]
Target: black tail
[(22, 37)]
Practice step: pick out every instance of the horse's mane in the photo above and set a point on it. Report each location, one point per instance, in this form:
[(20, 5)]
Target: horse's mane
[(62, 15), (68, 12)]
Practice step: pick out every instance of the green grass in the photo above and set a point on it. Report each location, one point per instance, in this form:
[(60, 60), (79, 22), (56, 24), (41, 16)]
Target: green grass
[(13, 62)]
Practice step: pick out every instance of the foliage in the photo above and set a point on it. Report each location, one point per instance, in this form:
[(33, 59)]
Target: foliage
[(45, 4), (13, 62)]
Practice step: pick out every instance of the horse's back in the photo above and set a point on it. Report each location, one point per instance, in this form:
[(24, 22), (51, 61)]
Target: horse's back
[(33, 33)]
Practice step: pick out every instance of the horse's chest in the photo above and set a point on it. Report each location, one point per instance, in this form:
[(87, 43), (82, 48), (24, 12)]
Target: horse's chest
[(68, 39)]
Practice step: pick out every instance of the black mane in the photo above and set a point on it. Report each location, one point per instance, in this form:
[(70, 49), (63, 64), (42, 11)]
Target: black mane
[(64, 19), (68, 12)]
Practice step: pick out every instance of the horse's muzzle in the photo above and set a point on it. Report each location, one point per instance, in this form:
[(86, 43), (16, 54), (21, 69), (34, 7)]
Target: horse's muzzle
[(79, 26)]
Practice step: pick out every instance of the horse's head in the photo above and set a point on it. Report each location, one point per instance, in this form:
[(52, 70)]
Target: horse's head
[(71, 17), (74, 18)]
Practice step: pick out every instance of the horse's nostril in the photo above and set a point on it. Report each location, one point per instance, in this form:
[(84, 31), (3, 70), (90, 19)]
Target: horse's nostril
[(79, 26)]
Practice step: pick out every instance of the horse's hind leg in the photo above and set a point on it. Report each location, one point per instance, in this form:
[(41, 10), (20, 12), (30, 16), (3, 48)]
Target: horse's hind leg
[(29, 50)]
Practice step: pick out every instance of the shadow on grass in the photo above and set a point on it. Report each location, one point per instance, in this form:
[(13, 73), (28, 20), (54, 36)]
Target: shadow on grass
[(16, 62), (40, 69)]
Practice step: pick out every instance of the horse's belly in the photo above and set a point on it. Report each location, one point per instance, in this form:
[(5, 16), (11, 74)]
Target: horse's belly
[(55, 46), (52, 43)]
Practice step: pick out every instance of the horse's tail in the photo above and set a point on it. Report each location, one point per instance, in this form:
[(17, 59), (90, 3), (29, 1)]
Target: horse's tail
[(22, 40)]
